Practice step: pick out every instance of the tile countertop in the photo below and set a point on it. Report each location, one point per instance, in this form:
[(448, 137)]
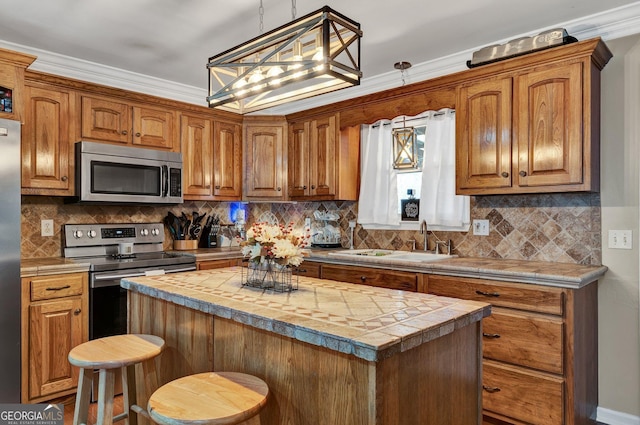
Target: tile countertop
[(370, 323), (564, 275)]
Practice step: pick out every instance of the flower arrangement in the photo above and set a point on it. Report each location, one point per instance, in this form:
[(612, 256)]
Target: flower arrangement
[(283, 245)]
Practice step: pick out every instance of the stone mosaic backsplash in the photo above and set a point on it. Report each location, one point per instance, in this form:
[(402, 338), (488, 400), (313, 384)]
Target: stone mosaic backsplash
[(549, 227)]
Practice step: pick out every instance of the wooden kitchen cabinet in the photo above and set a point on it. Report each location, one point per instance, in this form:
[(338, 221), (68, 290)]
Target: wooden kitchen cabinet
[(196, 145), (227, 160), (54, 320), (539, 349), (265, 159), (319, 159), (110, 120), (385, 278), (531, 130), (218, 264), (47, 144), (211, 157)]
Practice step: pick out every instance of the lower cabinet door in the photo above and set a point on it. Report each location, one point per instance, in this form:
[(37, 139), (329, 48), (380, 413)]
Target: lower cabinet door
[(55, 328), (522, 394)]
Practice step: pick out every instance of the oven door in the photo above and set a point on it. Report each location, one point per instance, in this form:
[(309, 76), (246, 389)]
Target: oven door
[(108, 300)]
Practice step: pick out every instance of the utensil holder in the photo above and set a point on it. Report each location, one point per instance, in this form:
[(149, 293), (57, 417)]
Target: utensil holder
[(185, 245)]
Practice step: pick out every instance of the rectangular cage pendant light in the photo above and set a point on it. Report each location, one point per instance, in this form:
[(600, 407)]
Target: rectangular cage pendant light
[(315, 54), (405, 149)]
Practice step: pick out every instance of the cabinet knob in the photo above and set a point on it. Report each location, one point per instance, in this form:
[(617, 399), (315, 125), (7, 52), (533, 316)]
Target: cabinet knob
[(217, 187), (313, 186), (77, 311), (490, 389), (304, 187), (279, 189), (137, 134), (505, 174), (125, 132), (63, 178), (522, 173), (363, 278)]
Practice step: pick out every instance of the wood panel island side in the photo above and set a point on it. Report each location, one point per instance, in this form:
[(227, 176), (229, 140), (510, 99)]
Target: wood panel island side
[(331, 352)]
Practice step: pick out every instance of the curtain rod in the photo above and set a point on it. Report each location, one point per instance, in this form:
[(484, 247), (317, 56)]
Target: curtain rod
[(437, 114)]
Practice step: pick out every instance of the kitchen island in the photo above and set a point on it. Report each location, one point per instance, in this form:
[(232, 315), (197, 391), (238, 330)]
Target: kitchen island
[(331, 352)]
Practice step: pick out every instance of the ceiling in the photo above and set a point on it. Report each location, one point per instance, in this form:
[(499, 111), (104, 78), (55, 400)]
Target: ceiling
[(171, 40)]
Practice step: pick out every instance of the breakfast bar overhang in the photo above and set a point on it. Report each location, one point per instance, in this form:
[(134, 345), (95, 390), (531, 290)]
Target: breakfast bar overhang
[(331, 352)]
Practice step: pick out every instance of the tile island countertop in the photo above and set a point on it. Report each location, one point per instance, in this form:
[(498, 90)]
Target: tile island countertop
[(370, 323)]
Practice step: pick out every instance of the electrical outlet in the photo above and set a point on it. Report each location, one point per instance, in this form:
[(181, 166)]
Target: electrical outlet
[(46, 227), (481, 227), (620, 239)]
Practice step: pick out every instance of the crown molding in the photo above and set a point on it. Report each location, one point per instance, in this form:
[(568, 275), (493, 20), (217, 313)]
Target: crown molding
[(611, 24)]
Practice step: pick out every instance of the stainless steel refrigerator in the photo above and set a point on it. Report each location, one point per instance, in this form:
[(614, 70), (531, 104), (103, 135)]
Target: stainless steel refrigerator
[(9, 261)]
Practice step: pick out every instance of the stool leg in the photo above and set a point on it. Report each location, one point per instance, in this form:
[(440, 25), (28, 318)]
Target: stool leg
[(81, 411), (105, 396), (129, 394)]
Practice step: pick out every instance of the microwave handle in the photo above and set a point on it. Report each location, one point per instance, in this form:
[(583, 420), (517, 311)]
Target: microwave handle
[(165, 181)]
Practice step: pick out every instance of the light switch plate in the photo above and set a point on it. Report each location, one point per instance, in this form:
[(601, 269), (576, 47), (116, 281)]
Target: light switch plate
[(481, 227), (620, 239), (46, 227)]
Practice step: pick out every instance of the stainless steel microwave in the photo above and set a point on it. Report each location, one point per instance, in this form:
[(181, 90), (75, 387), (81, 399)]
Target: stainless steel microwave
[(124, 174)]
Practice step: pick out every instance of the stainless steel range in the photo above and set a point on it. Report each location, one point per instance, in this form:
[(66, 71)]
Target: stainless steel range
[(117, 251)]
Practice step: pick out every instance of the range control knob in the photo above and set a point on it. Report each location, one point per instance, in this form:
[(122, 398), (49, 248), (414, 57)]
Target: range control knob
[(91, 233), (78, 234), (155, 231), (144, 232)]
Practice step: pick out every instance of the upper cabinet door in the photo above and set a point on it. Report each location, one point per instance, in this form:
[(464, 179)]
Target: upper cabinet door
[(197, 157), (298, 159), (153, 128), (265, 162), (105, 120), (322, 157), (227, 160), (548, 123), (46, 143), (483, 136)]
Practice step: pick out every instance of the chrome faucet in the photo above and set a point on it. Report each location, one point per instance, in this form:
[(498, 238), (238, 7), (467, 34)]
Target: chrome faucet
[(423, 231)]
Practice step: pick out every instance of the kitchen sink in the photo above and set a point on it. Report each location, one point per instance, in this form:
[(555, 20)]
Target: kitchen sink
[(391, 255)]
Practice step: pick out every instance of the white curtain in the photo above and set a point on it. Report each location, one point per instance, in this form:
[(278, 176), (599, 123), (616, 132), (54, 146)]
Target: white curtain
[(378, 203), (439, 205)]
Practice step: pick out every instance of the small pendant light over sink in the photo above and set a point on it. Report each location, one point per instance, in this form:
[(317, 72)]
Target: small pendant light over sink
[(315, 54)]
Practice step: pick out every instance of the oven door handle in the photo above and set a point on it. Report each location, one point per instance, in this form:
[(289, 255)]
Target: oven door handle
[(139, 274)]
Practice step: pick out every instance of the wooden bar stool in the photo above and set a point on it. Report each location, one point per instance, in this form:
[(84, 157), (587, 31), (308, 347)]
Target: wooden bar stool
[(210, 398), (110, 355)]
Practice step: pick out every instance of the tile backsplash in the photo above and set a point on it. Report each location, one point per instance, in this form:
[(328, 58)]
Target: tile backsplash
[(549, 227)]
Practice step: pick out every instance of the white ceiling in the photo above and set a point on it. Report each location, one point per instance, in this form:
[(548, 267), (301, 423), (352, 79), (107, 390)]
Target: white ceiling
[(171, 40)]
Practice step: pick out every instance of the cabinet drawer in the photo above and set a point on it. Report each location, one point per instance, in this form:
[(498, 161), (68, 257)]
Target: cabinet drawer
[(48, 287), (308, 269), (503, 294), (218, 264), (528, 396), (525, 339), (369, 276)]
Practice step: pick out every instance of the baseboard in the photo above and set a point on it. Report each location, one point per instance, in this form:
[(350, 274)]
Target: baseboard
[(611, 417)]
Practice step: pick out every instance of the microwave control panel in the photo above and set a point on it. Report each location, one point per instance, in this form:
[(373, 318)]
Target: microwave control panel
[(175, 182)]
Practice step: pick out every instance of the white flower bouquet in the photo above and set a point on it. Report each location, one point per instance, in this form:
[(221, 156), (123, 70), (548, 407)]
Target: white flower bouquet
[(280, 244)]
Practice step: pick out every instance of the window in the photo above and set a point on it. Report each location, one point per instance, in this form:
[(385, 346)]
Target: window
[(383, 186)]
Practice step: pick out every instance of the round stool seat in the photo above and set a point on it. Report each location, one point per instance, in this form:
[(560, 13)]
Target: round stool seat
[(116, 351), (212, 398)]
